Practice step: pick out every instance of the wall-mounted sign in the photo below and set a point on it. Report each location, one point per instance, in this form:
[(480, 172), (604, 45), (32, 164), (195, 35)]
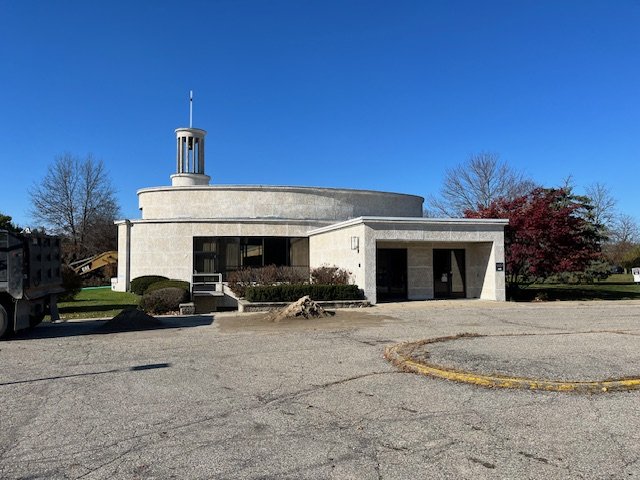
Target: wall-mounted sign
[(499, 267)]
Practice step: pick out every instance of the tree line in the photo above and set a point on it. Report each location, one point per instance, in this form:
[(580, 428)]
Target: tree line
[(551, 231)]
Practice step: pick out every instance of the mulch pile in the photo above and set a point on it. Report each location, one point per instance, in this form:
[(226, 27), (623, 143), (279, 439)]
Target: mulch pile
[(305, 308), (130, 320)]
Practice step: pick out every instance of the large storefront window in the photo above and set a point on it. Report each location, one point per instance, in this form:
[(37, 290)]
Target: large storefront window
[(226, 254)]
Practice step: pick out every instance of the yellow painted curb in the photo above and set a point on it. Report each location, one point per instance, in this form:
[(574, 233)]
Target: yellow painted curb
[(400, 356)]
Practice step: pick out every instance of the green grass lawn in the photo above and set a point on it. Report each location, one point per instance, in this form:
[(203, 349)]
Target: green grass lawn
[(616, 287), (97, 303), (619, 278), (104, 303)]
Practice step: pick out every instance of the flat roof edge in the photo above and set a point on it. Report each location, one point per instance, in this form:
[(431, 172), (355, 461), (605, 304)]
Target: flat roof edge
[(411, 220), (224, 220)]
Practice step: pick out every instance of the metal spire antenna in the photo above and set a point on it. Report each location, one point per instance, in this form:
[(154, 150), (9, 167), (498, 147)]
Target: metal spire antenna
[(190, 108)]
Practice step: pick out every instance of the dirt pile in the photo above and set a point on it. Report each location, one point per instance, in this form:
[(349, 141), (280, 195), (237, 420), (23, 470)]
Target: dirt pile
[(305, 307), (131, 319)]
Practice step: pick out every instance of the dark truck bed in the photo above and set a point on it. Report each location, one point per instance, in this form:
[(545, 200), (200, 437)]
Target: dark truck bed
[(30, 277)]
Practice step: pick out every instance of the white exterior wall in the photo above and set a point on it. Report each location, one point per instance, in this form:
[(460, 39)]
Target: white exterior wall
[(483, 243), (334, 249), (162, 249), (329, 204), (488, 284), (166, 247), (420, 272), (162, 242)]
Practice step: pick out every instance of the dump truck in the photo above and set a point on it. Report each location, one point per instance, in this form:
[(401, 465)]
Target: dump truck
[(30, 279)]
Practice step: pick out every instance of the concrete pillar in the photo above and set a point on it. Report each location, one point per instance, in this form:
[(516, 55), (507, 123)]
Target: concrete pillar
[(178, 165), (201, 156), (124, 256), (370, 250)]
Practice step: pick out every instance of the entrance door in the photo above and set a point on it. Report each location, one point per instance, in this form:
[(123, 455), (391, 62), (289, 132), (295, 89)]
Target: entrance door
[(391, 274), (448, 273)]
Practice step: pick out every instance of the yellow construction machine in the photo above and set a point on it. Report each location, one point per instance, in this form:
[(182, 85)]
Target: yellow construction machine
[(82, 267)]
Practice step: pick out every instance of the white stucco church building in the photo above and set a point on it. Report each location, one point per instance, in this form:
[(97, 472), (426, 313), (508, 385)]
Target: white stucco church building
[(198, 232)]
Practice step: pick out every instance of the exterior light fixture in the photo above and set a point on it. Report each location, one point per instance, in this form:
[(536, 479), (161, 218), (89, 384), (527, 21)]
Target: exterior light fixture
[(355, 244)]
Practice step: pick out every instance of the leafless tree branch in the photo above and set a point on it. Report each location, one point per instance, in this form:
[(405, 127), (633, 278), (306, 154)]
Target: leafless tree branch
[(604, 205), (76, 200), (482, 179)]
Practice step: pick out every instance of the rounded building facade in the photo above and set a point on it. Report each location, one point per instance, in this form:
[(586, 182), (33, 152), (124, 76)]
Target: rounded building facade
[(273, 202)]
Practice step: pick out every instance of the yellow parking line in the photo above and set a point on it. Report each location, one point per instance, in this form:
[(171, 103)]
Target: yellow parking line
[(395, 354)]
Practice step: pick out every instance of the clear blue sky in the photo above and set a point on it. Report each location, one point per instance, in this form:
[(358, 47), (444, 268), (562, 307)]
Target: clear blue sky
[(346, 93)]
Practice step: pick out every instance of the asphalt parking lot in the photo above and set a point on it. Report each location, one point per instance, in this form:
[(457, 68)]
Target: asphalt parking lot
[(235, 397)]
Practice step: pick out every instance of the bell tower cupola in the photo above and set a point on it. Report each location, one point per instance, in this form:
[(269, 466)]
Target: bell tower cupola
[(190, 155)]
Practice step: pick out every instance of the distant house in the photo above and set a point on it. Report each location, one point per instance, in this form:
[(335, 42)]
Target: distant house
[(193, 230)]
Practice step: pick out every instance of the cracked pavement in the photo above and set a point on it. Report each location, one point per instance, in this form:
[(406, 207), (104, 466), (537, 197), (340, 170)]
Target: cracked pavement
[(239, 398)]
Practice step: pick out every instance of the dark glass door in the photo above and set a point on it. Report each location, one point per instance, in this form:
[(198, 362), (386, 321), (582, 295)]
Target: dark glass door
[(391, 274), (449, 273)]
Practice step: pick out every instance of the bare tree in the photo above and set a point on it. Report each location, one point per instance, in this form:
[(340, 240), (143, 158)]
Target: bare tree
[(482, 179), (75, 199), (568, 183), (604, 205), (625, 229), (624, 236)]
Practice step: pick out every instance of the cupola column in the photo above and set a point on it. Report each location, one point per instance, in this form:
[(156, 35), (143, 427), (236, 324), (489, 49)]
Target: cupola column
[(190, 158)]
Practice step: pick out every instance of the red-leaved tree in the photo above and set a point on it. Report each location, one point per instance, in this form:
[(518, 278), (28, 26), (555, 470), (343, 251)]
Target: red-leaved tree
[(549, 232)]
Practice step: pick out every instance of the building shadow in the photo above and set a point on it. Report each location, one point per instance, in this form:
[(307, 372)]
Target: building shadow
[(79, 307), (135, 368), (99, 327)]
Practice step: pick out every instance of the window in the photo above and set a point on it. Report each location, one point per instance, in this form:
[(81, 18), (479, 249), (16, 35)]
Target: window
[(204, 255), (226, 254), (252, 249)]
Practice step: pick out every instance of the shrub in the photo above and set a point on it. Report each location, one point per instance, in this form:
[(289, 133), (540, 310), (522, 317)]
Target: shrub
[(186, 286), (164, 300), (239, 280), (71, 282), (139, 285), (596, 270), (291, 293), (326, 275)]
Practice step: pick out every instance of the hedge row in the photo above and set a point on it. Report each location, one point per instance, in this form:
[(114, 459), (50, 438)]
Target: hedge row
[(139, 285), (239, 280), (291, 293), (168, 284)]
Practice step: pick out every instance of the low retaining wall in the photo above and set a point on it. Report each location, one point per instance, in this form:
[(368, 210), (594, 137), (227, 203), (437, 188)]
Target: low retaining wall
[(245, 306)]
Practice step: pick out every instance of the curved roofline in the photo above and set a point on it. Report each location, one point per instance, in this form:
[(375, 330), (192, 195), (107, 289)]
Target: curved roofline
[(291, 188), (190, 129)]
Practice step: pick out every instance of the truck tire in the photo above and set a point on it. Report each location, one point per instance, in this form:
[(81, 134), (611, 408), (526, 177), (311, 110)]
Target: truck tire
[(4, 322)]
